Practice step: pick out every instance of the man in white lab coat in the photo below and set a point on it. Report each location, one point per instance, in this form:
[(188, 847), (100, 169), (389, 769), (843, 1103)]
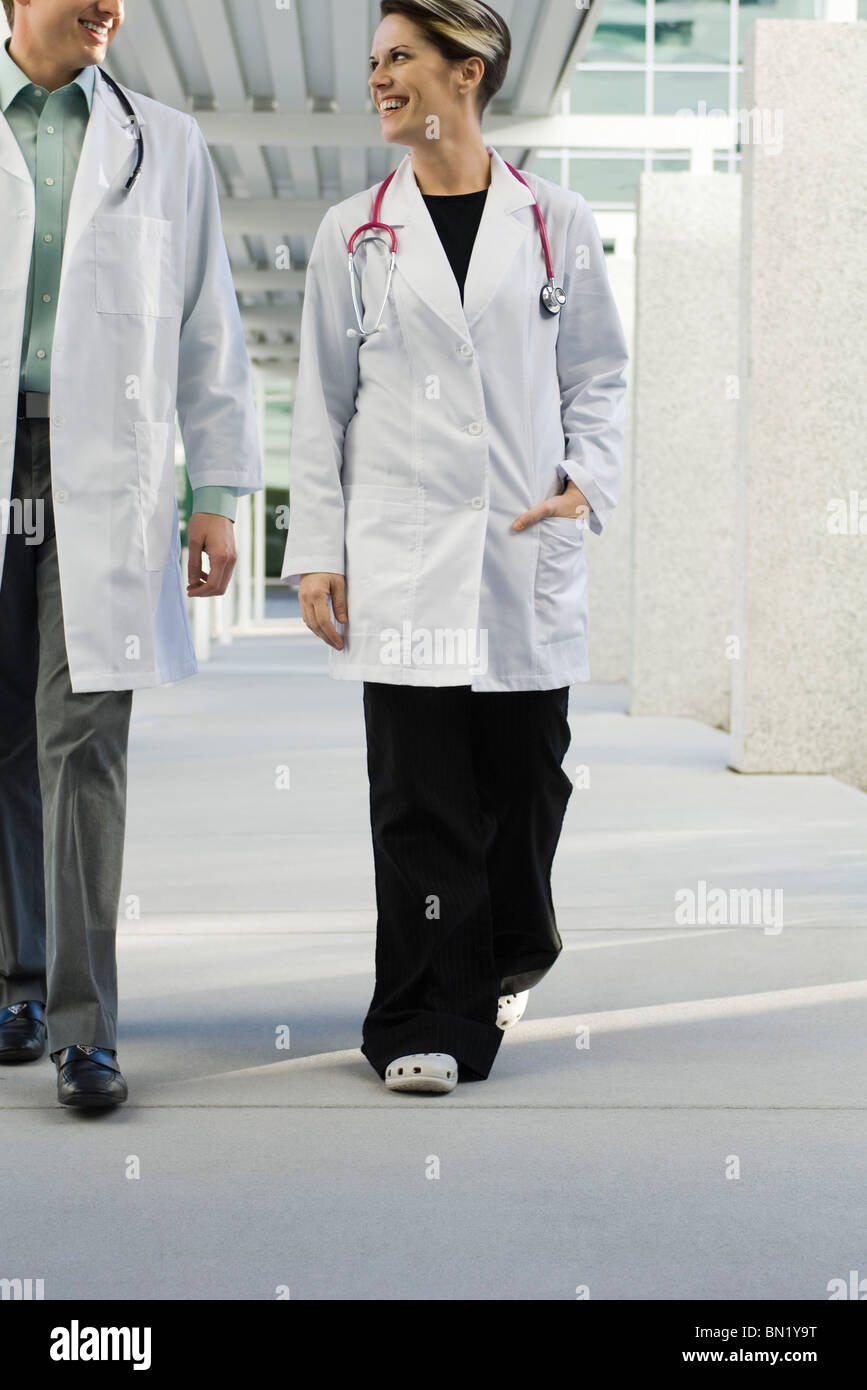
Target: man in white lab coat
[(118, 310)]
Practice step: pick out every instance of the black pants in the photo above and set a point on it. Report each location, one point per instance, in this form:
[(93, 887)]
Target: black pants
[(467, 798)]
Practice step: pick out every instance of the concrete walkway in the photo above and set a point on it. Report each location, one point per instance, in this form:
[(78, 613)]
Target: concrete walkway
[(716, 1047)]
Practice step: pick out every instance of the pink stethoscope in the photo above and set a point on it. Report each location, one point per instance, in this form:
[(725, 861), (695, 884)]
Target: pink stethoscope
[(553, 297)]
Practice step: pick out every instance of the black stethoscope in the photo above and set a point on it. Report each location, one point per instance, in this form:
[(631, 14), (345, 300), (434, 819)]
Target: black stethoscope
[(134, 120)]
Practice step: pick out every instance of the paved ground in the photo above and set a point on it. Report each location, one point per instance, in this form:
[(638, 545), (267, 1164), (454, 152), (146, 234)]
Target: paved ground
[(715, 1048)]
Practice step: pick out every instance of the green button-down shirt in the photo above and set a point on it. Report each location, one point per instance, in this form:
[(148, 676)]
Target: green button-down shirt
[(50, 128)]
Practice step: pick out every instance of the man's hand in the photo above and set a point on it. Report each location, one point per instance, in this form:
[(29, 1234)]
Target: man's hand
[(571, 503), (213, 536), (314, 593)]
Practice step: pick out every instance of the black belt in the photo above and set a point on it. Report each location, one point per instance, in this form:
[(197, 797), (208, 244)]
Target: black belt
[(33, 405)]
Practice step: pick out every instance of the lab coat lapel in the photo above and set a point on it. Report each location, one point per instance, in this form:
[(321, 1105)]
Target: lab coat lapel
[(500, 237), (107, 160), (12, 161), (423, 262), (421, 259)]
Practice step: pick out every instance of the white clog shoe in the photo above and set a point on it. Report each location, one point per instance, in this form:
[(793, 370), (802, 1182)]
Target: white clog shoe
[(511, 1010), (435, 1072)]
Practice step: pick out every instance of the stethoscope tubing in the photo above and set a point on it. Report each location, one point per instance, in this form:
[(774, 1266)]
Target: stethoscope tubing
[(139, 137), (551, 295)]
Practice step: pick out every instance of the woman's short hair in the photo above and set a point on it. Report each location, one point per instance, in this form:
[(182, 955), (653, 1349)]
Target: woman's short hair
[(9, 7), (462, 29)]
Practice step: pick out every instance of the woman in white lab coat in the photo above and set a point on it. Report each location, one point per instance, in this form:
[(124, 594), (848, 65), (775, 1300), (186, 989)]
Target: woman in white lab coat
[(445, 463)]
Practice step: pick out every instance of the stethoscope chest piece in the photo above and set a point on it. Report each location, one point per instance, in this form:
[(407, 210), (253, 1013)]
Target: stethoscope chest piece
[(553, 298), (354, 279)]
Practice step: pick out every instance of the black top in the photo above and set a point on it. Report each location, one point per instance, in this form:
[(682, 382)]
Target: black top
[(457, 218)]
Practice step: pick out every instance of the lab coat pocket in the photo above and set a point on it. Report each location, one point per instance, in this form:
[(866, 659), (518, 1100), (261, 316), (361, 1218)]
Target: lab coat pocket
[(561, 581), (134, 266), (155, 447), (381, 544)]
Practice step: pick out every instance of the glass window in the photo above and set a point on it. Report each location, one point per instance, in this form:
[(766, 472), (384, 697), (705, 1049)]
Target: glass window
[(671, 166), (548, 167), (621, 35), (607, 93), (751, 10), (692, 31), (676, 91), (606, 180)]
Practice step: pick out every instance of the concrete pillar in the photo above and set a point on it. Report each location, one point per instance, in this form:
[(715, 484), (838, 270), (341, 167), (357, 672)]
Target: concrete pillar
[(685, 441), (800, 691), (609, 556)]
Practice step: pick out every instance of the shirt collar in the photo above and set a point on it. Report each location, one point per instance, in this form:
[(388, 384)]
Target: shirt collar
[(12, 80)]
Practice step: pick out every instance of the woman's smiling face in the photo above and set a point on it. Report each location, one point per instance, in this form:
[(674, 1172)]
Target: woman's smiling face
[(410, 81)]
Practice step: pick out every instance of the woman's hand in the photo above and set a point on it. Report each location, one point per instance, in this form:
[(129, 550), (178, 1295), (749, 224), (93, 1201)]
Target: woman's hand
[(571, 503), (314, 592)]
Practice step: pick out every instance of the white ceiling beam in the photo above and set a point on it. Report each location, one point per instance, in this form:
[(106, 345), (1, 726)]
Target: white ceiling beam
[(273, 217), (272, 318), (306, 130), (223, 67), (141, 48), (350, 82), (556, 35), (263, 353), (269, 281), (302, 216), (283, 36), (580, 44)]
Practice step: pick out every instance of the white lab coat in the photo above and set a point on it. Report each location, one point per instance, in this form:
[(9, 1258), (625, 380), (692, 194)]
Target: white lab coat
[(147, 320), (414, 451)]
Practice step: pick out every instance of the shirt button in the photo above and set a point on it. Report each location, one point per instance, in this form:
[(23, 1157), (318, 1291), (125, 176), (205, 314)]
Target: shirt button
[(60, 496), (466, 350), (40, 353), (476, 428), (46, 299), (478, 504), (50, 182), (48, 237), (49, 129), (58, 419)]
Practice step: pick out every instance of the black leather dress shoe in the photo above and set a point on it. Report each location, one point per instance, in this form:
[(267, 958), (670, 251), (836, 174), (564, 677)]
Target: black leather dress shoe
[(88, 1077), (22, 1032)]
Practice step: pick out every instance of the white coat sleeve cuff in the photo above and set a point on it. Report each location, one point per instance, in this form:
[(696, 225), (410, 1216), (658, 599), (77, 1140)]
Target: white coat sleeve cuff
[(297, 566), (602, 508)]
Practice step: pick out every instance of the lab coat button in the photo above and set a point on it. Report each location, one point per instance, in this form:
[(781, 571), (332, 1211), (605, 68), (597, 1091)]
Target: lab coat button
[(60, 496), (58, 419), (466, 350), (478, 503), (476, 428)]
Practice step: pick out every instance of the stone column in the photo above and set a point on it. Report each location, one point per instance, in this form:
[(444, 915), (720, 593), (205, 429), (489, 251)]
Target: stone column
[(800, 687), (685, 442), (609, 556)]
